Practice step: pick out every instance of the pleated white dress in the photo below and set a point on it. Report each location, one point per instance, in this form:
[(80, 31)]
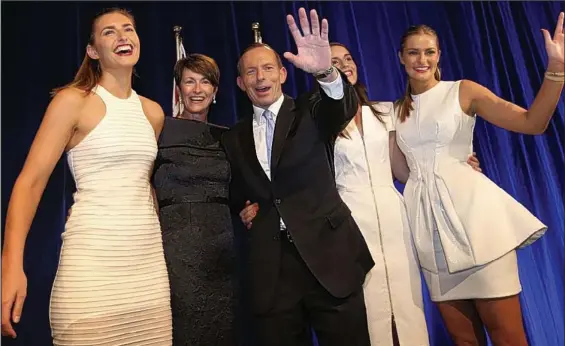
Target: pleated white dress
[(465, 228), (111, 286), (364, 181)]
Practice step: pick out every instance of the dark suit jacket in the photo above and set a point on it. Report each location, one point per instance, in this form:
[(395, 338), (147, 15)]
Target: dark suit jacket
[(302, 190)]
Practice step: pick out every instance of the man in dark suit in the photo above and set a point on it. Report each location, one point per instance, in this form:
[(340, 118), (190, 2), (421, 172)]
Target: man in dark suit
[(306, 259)]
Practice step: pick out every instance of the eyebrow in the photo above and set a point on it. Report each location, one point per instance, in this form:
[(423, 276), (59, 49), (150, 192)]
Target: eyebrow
[(421, 48), (345, 56), (113, 26)]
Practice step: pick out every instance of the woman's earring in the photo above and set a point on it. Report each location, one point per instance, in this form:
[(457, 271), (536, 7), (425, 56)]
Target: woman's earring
[(214, 100)]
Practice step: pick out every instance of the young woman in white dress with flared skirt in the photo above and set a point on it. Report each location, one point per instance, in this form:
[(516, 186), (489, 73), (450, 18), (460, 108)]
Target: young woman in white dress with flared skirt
[(466, 228)]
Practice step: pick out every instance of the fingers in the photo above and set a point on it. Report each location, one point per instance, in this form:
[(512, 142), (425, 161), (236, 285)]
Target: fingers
[(248, 213), (315, 23), (304, 25), (7, 329), (293, 28), (559, 26), (546, 36), (325, 30), (292, 58), (18, 307)]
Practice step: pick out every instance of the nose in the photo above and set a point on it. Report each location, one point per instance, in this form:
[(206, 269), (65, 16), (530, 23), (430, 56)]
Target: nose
[(196, 87), (421, 58), (122, 36), (260, 75)]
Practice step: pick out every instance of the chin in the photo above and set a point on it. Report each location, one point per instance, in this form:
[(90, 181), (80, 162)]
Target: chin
[(421, 77), (265, 101), (128, 64), (198, 110)]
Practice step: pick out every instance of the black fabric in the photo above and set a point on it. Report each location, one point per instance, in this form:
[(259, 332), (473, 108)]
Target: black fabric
[(302, 305), (302, 191), (191, 179)]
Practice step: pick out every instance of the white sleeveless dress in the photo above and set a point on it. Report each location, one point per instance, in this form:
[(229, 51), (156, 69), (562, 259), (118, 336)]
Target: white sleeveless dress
[(112, 286), (465, 227), (364, 181)]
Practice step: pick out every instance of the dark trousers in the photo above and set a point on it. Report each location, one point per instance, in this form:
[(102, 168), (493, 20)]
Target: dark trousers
[(302, 304)]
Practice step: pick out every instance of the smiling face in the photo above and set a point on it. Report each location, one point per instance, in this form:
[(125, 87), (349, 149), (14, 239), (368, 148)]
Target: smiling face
[(261, 76), (197, 92), (341, 58), (114, 41), (420, 56)]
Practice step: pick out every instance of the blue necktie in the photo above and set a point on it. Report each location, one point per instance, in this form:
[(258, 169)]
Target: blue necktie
[(270, 132)]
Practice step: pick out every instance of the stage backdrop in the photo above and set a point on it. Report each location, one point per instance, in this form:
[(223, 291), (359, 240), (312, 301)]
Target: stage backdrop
[(498, 44)]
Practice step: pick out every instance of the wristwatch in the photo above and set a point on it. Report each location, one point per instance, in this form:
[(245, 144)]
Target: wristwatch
[(324, 74)]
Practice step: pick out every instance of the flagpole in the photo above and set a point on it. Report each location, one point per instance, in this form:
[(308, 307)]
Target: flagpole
[(177, 29), (178, 42)]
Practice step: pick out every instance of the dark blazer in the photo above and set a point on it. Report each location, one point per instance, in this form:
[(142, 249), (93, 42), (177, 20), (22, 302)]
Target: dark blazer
[(302, 190)]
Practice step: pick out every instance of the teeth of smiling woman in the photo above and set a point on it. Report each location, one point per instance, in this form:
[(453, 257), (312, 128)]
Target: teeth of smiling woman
[(123, 48)]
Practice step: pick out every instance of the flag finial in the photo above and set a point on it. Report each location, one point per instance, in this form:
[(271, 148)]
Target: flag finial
[(256, 33)]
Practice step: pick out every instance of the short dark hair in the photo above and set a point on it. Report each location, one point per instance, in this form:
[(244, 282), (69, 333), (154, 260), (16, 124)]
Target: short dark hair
[(258, 45), (201, 64)]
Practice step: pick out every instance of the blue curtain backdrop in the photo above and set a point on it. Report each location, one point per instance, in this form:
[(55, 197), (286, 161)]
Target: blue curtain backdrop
[(498, 44)]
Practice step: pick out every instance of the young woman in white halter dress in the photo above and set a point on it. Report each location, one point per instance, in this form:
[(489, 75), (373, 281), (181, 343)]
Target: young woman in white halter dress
[(111, 286)]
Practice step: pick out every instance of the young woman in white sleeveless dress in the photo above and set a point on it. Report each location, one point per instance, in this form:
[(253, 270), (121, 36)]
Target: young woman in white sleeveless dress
[(465, 228), (364, 178), (111, 286)]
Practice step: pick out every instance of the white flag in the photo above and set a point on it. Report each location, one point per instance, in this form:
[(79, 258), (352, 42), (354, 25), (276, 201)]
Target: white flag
[(177, 104)]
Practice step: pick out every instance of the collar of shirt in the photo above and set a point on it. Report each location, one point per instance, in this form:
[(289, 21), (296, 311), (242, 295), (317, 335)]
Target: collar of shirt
[(275, 108)]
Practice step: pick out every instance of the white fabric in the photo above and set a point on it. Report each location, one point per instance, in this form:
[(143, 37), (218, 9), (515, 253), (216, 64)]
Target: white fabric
[(477, 222), (364, 181), (178, 106), (112, 286)]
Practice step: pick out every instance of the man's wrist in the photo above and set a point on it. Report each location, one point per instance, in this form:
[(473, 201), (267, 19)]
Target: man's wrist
[(324, 73)]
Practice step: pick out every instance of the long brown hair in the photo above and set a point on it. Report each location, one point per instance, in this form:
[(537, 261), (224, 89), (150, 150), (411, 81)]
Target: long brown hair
[(89, 72), (405, 103), (361, 91)]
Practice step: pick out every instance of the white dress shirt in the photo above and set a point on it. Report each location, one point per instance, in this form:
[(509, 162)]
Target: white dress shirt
[(333, 90)]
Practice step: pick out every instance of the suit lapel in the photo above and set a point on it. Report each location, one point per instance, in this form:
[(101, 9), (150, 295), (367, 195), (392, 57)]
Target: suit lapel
[(285, 118), (247, 142)]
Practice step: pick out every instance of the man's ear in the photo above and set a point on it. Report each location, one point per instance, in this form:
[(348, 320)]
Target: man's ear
[(283, 74), (240, 83)]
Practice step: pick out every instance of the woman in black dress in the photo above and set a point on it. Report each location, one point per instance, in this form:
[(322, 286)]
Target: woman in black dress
[(191, 178)]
